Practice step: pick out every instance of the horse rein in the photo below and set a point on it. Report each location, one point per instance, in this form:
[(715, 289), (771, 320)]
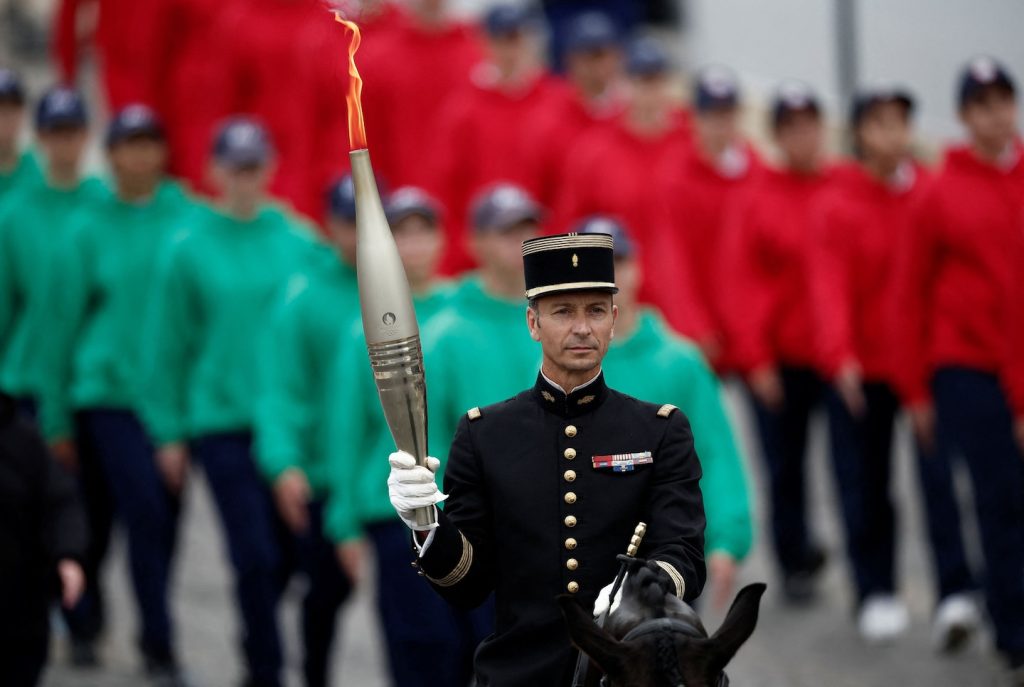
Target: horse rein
[(668, 661)]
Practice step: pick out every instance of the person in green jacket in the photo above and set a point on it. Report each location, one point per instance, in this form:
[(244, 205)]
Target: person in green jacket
[(316, 311), (91, 374), (17, 167), (647, 360), (485, 321), (35, 219), (215, 291), (419, 628)]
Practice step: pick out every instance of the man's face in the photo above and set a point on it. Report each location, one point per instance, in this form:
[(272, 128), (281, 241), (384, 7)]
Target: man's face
[(501, 252), (511, 51), (419, 244), (801, 139), (343, 236), (574, 329), (11, 117), (595, 70), (718, 128), (138, 158), (627, 278), (63, 148), (991, 117), (885, 132), (650, 92), (246, 184)]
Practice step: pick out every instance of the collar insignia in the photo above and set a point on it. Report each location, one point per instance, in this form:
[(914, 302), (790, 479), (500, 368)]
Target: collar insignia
[(547, 397), (586, 399)]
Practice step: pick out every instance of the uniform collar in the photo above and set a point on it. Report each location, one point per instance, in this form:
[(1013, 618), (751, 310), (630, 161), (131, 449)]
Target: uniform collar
[(580, 401)]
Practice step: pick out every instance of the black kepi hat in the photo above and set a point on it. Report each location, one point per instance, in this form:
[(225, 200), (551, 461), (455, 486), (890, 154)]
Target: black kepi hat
[(569, 262)]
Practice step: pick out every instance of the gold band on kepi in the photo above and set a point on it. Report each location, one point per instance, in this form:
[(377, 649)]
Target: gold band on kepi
[(569, 262)]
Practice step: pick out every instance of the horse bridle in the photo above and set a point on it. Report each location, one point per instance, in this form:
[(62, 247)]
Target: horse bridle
[(663, 630)]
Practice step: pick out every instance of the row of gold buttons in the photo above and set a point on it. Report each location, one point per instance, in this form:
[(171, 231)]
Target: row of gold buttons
[(570, 520)]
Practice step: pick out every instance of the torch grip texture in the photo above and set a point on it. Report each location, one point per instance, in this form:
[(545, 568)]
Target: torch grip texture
[(398, 372)]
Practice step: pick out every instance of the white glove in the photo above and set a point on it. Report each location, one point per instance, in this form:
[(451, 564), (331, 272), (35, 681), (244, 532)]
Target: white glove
[(412, 486), (601, 605)]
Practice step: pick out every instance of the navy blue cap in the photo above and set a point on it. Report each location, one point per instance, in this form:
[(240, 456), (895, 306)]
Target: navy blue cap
[(61, 107), (601, 224), (591, 31), (12, 90), (341, 199), (407, 201), (868, 98), (717, 88), (242, 142), (134, 121), (647, 57), (980, 73), (794, 96), (502, 207), (507, 18)]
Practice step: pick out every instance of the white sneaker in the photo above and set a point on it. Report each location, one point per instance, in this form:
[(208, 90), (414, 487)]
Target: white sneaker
[(883, 618), (956, 621)]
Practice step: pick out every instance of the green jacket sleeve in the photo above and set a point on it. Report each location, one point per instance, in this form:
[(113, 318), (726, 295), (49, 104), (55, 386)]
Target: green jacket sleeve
[(68, 297), (724, 484), (350, 399), (284, 416), (6, 282), (169, 342)]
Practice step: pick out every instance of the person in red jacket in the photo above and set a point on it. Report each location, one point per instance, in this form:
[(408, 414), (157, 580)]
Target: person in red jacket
[(954, 280), (692, 197), (480, 131), (611, 171), (857, 223), (285, 62), (122, 50), (411, 66), (1015, 365), (768, 313), (594, 68)]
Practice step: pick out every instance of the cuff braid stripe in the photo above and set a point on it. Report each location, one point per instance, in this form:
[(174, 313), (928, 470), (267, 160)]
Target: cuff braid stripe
[(456, 575), (676, 577)]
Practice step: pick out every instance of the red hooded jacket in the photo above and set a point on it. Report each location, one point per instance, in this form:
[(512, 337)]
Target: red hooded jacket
[(955, 271), (766, 278), (481, 142), (612, 171), (286, 62), (857, 223), (1015, 364), (693, 196)]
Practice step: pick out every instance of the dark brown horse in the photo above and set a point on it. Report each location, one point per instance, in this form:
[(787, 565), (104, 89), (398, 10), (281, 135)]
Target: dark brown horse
[(654, 639)]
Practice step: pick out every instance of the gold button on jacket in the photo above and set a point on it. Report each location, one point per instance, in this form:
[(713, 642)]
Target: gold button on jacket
[(570, 498), (570, 521), (572, 564), (570, 475), (573, 587), (570, 543), (570, 453), (570, 431)]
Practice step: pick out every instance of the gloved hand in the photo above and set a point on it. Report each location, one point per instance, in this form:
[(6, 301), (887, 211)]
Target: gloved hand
[(412, 486), (604, 604)]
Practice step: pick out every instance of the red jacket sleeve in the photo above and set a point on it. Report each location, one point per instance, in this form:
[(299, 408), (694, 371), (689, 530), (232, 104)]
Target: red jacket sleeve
[(747, 294), (65, 39), (913, 279), (830, 285)]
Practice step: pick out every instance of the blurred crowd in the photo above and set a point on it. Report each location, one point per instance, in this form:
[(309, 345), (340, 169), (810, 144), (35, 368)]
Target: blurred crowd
[(196, 308)]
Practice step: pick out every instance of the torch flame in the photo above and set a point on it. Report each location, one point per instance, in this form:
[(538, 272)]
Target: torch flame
[(354, 97)]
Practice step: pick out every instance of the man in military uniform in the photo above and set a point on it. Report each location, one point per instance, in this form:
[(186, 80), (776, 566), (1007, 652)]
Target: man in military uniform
[(544, 489)]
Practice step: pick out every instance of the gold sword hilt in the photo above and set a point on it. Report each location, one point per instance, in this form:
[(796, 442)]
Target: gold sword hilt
[(637, 538)]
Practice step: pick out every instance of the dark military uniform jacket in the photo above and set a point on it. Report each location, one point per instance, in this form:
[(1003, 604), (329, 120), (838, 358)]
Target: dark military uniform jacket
[(544, 491)]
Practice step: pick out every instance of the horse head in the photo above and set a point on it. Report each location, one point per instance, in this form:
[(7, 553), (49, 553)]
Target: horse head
[(653, 638)]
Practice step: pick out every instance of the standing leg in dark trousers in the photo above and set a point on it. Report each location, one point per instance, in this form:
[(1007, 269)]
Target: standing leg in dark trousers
[(85, 621), (862, 458), (783, 434), (253, 539), (420, 628), (974, 420), (328, 589), (149, 514)]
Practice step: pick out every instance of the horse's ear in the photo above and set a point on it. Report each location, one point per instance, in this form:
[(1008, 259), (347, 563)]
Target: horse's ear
[(737, 627), (605, 651)]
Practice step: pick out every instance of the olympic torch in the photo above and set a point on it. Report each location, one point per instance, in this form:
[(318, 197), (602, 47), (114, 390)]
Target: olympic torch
[(389, 321)]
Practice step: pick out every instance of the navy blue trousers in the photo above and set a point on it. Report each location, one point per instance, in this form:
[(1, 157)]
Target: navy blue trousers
[(327, 589), (974, 423), (783, 435), (429, 643), (862, 462), (258, 545), (149, 514)]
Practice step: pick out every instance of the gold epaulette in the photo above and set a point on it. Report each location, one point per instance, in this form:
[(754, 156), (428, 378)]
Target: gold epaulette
[(666, 410), (474, 414)]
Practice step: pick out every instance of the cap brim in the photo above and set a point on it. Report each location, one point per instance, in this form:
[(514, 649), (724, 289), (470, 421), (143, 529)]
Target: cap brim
[(509, 219), (426, 213), (572, 287)]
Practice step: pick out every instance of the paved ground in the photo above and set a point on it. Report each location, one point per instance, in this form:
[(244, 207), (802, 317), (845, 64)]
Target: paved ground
[(791, 648)]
